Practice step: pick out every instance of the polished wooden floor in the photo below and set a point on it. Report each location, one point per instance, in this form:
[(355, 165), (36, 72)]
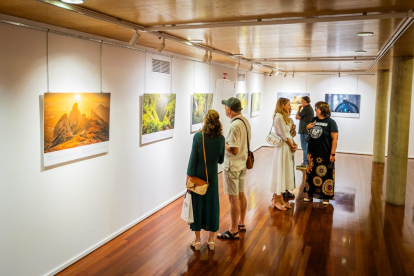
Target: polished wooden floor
[(359, 234)]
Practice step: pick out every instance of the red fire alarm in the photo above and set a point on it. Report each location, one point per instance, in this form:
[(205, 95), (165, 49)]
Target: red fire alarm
[(224, 76)]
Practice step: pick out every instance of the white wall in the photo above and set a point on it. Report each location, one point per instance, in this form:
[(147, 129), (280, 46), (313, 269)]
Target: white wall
[(355, 135), (51, 218)]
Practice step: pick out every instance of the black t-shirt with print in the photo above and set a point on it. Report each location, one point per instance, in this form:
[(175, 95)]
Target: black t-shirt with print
[(320, 140)]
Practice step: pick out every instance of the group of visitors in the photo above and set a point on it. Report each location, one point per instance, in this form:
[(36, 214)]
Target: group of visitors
[(318, 139)]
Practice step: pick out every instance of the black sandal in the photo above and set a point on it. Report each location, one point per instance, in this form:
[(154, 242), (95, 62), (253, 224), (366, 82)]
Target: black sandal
[(242, 228), (288, 194), (227, 235)]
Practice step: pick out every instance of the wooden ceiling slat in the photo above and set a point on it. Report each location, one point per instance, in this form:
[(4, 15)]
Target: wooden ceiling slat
[(333, 39)]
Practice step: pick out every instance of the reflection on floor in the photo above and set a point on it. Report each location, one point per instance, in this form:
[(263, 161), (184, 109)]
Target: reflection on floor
[(357, 235)]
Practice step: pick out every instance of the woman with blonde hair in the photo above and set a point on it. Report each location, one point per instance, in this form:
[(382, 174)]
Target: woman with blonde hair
[(283, 178), (206, 208)]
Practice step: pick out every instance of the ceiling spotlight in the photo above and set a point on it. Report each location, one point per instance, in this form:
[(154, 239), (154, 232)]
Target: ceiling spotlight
[(360, 51), (210, 58), (285, 75), (205, 57), (293, 74), (356, 68), (188, 43), (271, 73), (73, 1), (277, 72), (237, 65), (365, 33), (358, 62), (237, 55), (196, 40), (339, 74), (161, 47), (251, 67), (134, 39)]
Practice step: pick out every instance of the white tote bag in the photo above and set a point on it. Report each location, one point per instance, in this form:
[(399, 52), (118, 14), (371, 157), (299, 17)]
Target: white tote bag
[(187, 211)]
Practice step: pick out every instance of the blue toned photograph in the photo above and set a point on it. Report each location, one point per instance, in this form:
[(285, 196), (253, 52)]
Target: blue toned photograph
[(344, 105)]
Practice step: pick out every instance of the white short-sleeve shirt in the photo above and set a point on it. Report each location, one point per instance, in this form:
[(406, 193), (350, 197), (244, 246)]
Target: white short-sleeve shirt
[(237, 138)]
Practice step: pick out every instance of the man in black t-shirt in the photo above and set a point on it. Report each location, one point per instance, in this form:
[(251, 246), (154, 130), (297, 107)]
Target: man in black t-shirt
[(305, 115)]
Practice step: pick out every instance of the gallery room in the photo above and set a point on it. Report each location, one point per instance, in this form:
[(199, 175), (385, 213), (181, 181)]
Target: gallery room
[(206, 137)]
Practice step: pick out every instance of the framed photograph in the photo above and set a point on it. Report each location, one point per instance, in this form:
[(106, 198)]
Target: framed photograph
[(255, 109), (200, 105), (244, 99), (295, 98), (344, 105), (75, 125), (158, 117)]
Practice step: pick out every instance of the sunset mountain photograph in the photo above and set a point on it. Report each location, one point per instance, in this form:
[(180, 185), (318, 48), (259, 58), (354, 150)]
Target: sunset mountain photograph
[(75, 119)]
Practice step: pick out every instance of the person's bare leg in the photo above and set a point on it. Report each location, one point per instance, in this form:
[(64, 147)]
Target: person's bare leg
[(243, 208), (235, 212), (198, 236), (211, 236), (277, 203)]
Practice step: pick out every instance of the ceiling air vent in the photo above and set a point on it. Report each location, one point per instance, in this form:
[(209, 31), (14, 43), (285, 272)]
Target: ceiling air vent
[(160, 66), (241, 77)]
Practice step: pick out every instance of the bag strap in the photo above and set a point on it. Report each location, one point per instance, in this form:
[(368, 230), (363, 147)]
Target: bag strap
[(205, 160), (247, 132), (272, 124)]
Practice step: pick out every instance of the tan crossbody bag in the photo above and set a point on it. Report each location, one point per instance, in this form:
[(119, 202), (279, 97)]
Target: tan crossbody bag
[(195, 184)]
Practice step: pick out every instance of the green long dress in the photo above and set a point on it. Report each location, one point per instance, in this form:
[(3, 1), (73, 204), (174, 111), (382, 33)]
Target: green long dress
[(206, 208)]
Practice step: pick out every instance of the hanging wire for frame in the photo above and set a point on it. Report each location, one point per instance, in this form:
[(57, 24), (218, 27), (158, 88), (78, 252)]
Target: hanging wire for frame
[(171, 71), (194, 77), (47, 60), (101, 65)]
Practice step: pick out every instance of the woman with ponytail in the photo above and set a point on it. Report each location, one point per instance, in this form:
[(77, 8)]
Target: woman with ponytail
[(283, 178), (206, 208)]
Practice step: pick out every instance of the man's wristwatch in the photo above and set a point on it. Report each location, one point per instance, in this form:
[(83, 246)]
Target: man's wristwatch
[(333, 154)]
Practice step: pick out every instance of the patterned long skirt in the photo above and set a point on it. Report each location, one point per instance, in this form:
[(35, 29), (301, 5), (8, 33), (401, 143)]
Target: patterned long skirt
[(320, 177)]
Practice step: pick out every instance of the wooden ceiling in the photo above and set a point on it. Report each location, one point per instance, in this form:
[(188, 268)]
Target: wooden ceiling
[(304, 40)]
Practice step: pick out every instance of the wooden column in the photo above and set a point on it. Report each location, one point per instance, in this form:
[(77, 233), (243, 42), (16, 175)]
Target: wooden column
[(381, 112), (399, 127)]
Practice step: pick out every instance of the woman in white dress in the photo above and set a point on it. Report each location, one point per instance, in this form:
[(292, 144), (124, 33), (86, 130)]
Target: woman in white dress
[(282, 173)]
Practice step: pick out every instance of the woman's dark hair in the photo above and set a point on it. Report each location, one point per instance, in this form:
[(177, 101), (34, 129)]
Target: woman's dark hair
[(306, 99), (324, 108), (212, 125)]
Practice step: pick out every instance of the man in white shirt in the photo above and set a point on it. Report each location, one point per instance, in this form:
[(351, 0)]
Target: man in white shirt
[(234, 167)]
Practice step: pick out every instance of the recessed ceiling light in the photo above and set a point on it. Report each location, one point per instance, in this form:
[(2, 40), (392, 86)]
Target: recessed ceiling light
[(73, 1), (238, 55), (358, 62), (360, 51), (356, 67), (196, 40), (365, 33), (188, 43)]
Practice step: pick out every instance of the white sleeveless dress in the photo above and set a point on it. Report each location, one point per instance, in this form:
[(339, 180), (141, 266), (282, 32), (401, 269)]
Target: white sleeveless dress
[(282, 170)]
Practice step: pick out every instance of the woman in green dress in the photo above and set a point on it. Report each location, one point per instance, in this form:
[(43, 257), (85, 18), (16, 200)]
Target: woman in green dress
[(206, 208)]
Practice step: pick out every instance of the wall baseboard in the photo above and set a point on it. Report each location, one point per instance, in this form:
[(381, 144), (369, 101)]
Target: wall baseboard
[(114, 235)]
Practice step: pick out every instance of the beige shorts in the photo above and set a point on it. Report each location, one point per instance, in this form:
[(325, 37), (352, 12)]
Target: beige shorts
[(233, 182)]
